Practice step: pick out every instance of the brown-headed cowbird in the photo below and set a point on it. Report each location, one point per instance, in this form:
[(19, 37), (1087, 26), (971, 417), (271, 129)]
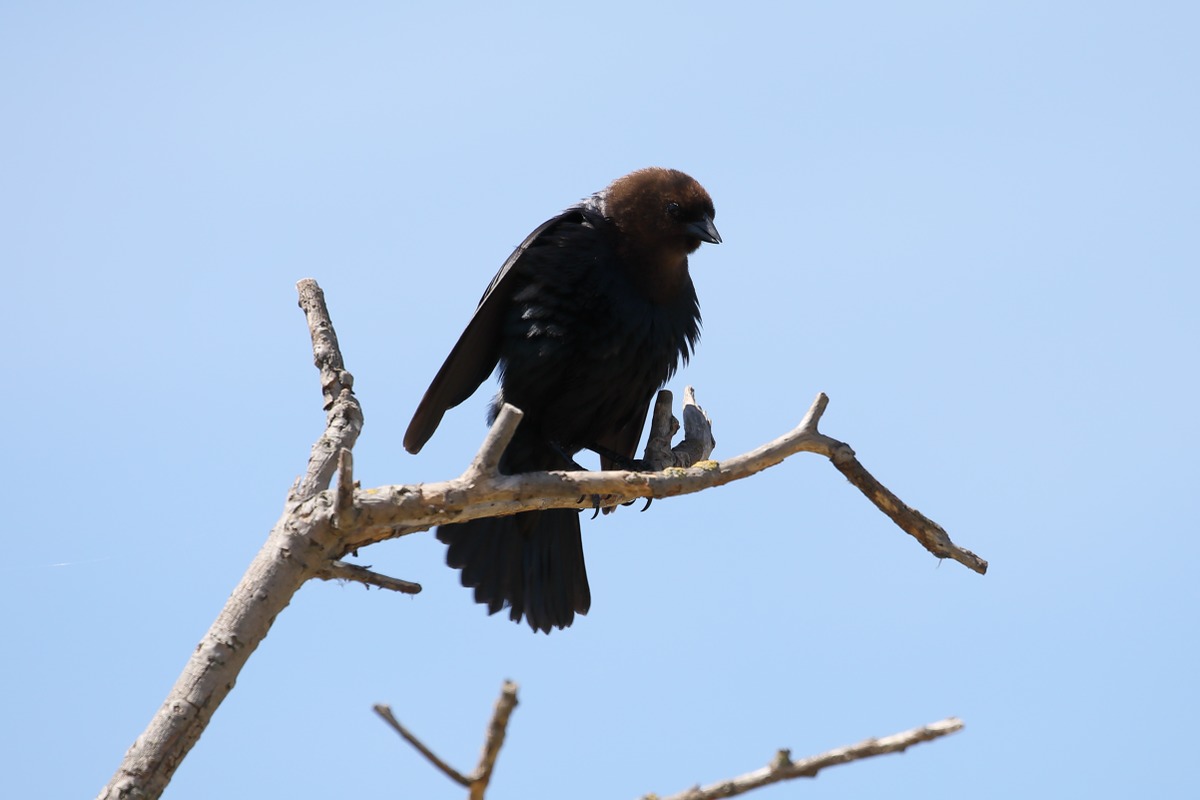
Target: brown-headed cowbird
[(587, 319)]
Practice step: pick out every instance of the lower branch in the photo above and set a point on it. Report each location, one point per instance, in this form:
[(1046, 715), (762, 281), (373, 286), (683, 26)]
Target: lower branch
[(477, 782), (385, 713), (494, 740), (783, 768)]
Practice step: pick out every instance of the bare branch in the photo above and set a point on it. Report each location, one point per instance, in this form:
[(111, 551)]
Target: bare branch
[(487, 460), (391, 511), (343, 498), (344, 417), (327, 355), (301, 544), (341, 571), (782, 768), (450, 772), (494, 740), (698, 441), (663, 427), (933, 537), (477, 781)]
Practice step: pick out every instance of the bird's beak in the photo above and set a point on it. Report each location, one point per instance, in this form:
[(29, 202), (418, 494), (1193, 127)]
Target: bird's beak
[(705, 231)]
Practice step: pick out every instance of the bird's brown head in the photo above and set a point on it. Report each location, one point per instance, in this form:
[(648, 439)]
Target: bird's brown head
[(662, 215)]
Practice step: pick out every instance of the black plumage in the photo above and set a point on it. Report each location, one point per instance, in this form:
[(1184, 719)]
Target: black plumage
[(587, 319)]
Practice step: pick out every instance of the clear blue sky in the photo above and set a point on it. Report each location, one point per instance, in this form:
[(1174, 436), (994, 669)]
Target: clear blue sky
[(974, 225)]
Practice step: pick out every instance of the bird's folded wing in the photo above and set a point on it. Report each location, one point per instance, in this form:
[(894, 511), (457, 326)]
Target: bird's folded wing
[(478, 349)]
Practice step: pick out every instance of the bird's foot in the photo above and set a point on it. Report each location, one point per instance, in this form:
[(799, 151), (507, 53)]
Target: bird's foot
[(621, 461), (568, 458), (604, 502)]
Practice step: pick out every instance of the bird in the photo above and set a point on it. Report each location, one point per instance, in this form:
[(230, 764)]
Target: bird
[(591, 314)]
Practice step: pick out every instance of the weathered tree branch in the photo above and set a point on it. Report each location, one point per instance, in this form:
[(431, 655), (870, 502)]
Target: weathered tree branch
[(477, 781), (385, 712), (493, 740), (341, 571), (298, 548), (783, 768), (343, 417), (318, 528), (482, 491), (698, 442)]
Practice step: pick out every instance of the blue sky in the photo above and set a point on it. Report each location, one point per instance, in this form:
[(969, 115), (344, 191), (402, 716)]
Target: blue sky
[(973, 225)]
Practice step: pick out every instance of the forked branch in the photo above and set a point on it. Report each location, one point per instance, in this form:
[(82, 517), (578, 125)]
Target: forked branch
[(781, 768), (477, 781)]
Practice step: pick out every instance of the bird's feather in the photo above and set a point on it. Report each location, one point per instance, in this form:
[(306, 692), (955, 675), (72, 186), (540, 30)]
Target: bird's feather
[(475, 354)]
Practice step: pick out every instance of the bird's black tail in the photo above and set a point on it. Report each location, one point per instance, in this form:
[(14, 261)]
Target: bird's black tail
[(531, 562)]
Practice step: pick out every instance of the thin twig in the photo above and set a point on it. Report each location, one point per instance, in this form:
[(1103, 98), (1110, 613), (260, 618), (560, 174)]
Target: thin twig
[(341, 571), (933, 537), (450, 772), (783, 768), (327, 354), (344, 417), (494, 740), (343, 498), (477, 782), (487, 460)]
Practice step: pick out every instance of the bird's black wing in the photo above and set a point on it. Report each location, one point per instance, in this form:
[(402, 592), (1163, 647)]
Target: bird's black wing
[(478, 349)]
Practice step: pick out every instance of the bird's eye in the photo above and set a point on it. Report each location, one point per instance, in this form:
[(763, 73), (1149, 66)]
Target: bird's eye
[(673, 209)]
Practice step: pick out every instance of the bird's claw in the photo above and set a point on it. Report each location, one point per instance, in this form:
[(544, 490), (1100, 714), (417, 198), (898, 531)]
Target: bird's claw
[(596, 501)]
